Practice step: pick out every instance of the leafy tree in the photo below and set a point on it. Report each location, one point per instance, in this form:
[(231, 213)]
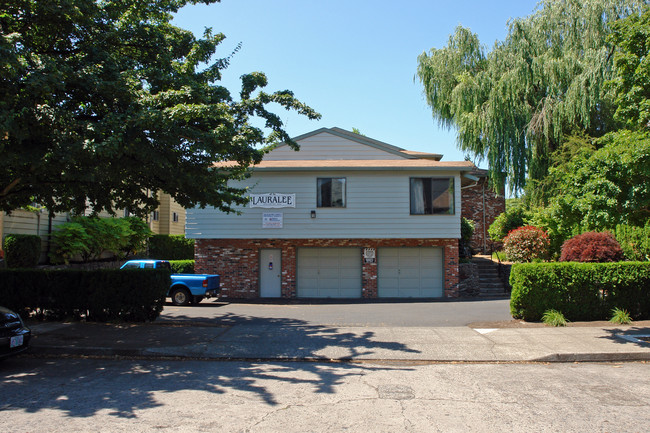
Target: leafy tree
[(635, 241), (70, 241), (88, 238), (139, 234), (102, 101), (539, 192), (599, 190), (632, 82), (514, 104), (611, 186)]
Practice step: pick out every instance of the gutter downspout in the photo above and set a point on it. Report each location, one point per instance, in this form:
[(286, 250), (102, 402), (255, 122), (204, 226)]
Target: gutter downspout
[(484, 230)]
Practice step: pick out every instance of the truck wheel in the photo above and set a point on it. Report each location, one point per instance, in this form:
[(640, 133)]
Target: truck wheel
[(180, 296), (197, 299)]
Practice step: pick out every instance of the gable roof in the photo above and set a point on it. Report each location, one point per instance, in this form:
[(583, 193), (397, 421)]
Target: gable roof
[(362, 139), (407, 160)]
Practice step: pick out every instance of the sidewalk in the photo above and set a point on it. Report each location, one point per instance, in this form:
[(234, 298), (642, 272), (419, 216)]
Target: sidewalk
[(275, 340)]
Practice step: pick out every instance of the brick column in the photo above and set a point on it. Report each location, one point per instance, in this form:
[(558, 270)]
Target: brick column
[(369, 280), (289, 272), (451, 270)]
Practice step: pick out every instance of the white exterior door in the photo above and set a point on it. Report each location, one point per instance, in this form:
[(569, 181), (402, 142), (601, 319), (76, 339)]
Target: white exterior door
[(410, 272), (329, 272), (270, 273)]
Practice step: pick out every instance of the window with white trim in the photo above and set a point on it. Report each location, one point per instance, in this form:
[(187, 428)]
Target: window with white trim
[(330, 191), (432, 195)]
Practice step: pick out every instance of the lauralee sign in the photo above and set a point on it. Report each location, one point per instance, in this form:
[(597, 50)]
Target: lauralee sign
[(272, 200)]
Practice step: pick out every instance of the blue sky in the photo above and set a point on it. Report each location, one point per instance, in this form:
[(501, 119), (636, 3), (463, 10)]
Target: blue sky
[(353, 61)]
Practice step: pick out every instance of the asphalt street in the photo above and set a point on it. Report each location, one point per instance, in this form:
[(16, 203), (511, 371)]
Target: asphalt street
[(80, 395), (443, 313)]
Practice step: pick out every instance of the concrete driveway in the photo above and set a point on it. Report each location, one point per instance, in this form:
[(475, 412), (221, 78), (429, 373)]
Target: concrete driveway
[(350, 313)]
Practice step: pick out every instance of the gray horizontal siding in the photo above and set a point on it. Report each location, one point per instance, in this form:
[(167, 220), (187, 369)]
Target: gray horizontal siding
[(377, 207), (328, 146)]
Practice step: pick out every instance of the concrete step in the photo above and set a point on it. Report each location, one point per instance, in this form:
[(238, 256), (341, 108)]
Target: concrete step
[(497, 285), (492, 290), (489, 280)]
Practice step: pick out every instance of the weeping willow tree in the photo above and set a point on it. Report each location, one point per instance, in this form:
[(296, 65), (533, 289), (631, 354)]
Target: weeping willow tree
[(513, 105)]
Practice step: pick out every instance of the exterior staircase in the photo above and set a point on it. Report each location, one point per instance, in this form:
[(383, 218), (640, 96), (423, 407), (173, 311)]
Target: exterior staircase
[(490, 282)]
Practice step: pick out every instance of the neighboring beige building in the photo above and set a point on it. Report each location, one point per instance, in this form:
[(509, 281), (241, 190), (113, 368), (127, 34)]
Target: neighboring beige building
[(23, 222), (168, 219)]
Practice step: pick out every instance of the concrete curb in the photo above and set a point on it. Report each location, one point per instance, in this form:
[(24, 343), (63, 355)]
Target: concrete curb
[(595, 357), (144, 354)]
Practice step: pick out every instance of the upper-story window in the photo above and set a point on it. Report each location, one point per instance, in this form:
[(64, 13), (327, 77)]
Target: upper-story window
[(175, 217), (432, 196), (331, 191)]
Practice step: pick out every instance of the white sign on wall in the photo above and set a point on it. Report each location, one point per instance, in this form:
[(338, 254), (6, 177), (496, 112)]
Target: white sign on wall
[(272, 200), (369, 255), (272, 220)]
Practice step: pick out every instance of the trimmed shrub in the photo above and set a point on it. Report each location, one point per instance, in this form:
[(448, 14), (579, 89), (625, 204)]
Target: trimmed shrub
[(22, 251), (171, 247), (582, 291), (634, 241), (526, 244), (182, 266), (593, 247), (101, 295), (466, 232)]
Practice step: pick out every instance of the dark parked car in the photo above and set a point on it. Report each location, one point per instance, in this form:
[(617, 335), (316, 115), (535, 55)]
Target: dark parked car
[(14, 334)]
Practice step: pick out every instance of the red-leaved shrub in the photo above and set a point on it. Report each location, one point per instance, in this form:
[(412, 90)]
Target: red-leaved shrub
[(526, 244), (595, 247)]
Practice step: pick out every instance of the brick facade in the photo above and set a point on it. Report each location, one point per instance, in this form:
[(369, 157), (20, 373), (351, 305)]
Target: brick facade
[(482, 205), (237, 261)]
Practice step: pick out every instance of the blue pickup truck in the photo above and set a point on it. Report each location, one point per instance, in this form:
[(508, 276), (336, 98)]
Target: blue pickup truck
[(185, 288)]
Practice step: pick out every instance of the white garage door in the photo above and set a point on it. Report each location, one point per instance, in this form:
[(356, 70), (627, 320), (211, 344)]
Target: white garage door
[(329, 272), (410, 272)]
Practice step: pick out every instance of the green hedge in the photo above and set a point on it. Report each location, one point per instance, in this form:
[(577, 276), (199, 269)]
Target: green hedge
[(22, 251), (171, 247), (99, 295), (581, 291), (182, 266)]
